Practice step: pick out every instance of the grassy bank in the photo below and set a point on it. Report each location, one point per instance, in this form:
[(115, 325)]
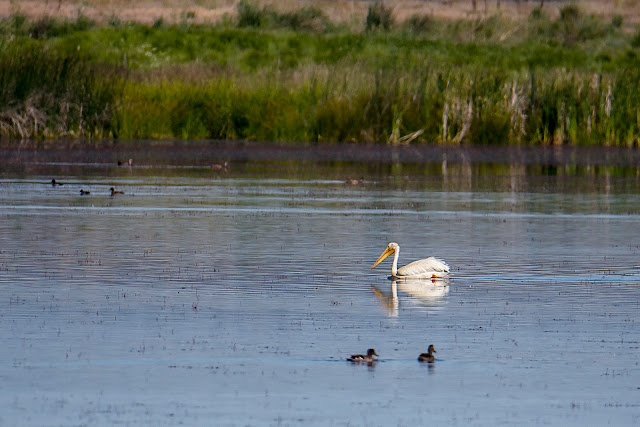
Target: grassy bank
[(298, 76)]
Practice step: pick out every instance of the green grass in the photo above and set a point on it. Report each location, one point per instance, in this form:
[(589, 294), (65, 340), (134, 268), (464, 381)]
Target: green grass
[(46, 94), (298, 77)]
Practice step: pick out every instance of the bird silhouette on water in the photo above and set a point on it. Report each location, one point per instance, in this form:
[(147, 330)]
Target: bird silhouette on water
[(114, 192), (364, 358), (428, 357)]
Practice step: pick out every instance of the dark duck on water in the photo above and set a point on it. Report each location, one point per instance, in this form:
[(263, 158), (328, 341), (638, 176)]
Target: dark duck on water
[(428, 357), (364, 358)]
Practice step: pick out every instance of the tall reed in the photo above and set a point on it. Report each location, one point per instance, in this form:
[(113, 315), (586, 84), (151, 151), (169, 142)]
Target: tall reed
[(277, 77), (47, 94), (447, 107)]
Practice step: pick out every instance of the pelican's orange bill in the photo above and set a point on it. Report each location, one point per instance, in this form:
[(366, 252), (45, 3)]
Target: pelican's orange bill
[(384, 256)]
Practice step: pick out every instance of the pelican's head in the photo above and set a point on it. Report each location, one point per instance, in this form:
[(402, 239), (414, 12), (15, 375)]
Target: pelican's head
[(391, 248), (371, 352)]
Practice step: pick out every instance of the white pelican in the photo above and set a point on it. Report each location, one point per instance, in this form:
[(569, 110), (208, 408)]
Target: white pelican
[(423, 268)]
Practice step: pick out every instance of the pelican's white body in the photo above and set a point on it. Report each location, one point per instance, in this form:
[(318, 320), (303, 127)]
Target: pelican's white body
[(425, 268), (428, 267)]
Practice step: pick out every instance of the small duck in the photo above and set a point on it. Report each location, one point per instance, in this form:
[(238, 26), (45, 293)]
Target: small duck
[(220, 166), (54, 183), (428, 357), (355, 181), (368, 358), (114, 192), (84, 192)]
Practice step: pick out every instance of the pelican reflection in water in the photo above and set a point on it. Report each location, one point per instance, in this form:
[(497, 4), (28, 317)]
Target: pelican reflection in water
[(424, 268), (426, 293)]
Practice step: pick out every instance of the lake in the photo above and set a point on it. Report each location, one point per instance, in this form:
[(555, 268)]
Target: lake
[(230, 281)]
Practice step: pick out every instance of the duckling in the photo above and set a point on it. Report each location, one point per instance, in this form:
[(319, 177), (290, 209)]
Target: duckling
[(83, 192), (428, 357), (54, 183), (368, 358), (220, 166), (355, 181), (114, 192)]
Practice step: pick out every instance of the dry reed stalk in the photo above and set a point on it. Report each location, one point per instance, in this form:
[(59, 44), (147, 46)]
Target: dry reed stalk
[(608, 101), (23, 122), (518, 107), (445, 122), (466, 123), (406, 140)]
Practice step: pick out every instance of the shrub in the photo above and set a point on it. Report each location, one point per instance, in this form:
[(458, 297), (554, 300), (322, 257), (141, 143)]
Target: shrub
[(249, 14), (305, 19), (537, 13), (420, 23), (570, 14), (616, 21), (635, 40), (379, 16)]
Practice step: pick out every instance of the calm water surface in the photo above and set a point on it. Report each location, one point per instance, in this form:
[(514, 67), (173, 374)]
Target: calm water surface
[(207, 296)]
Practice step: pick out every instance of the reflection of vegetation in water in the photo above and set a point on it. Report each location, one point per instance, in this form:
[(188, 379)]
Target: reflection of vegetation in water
[(295, 76)]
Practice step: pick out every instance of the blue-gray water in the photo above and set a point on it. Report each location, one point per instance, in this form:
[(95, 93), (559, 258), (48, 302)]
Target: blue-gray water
[(233, 297)]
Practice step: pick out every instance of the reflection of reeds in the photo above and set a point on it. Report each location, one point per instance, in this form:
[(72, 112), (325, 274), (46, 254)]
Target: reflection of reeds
[(484, 81)]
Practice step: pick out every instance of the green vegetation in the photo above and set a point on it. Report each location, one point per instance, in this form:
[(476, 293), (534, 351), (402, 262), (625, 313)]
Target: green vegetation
[(298, 77)]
